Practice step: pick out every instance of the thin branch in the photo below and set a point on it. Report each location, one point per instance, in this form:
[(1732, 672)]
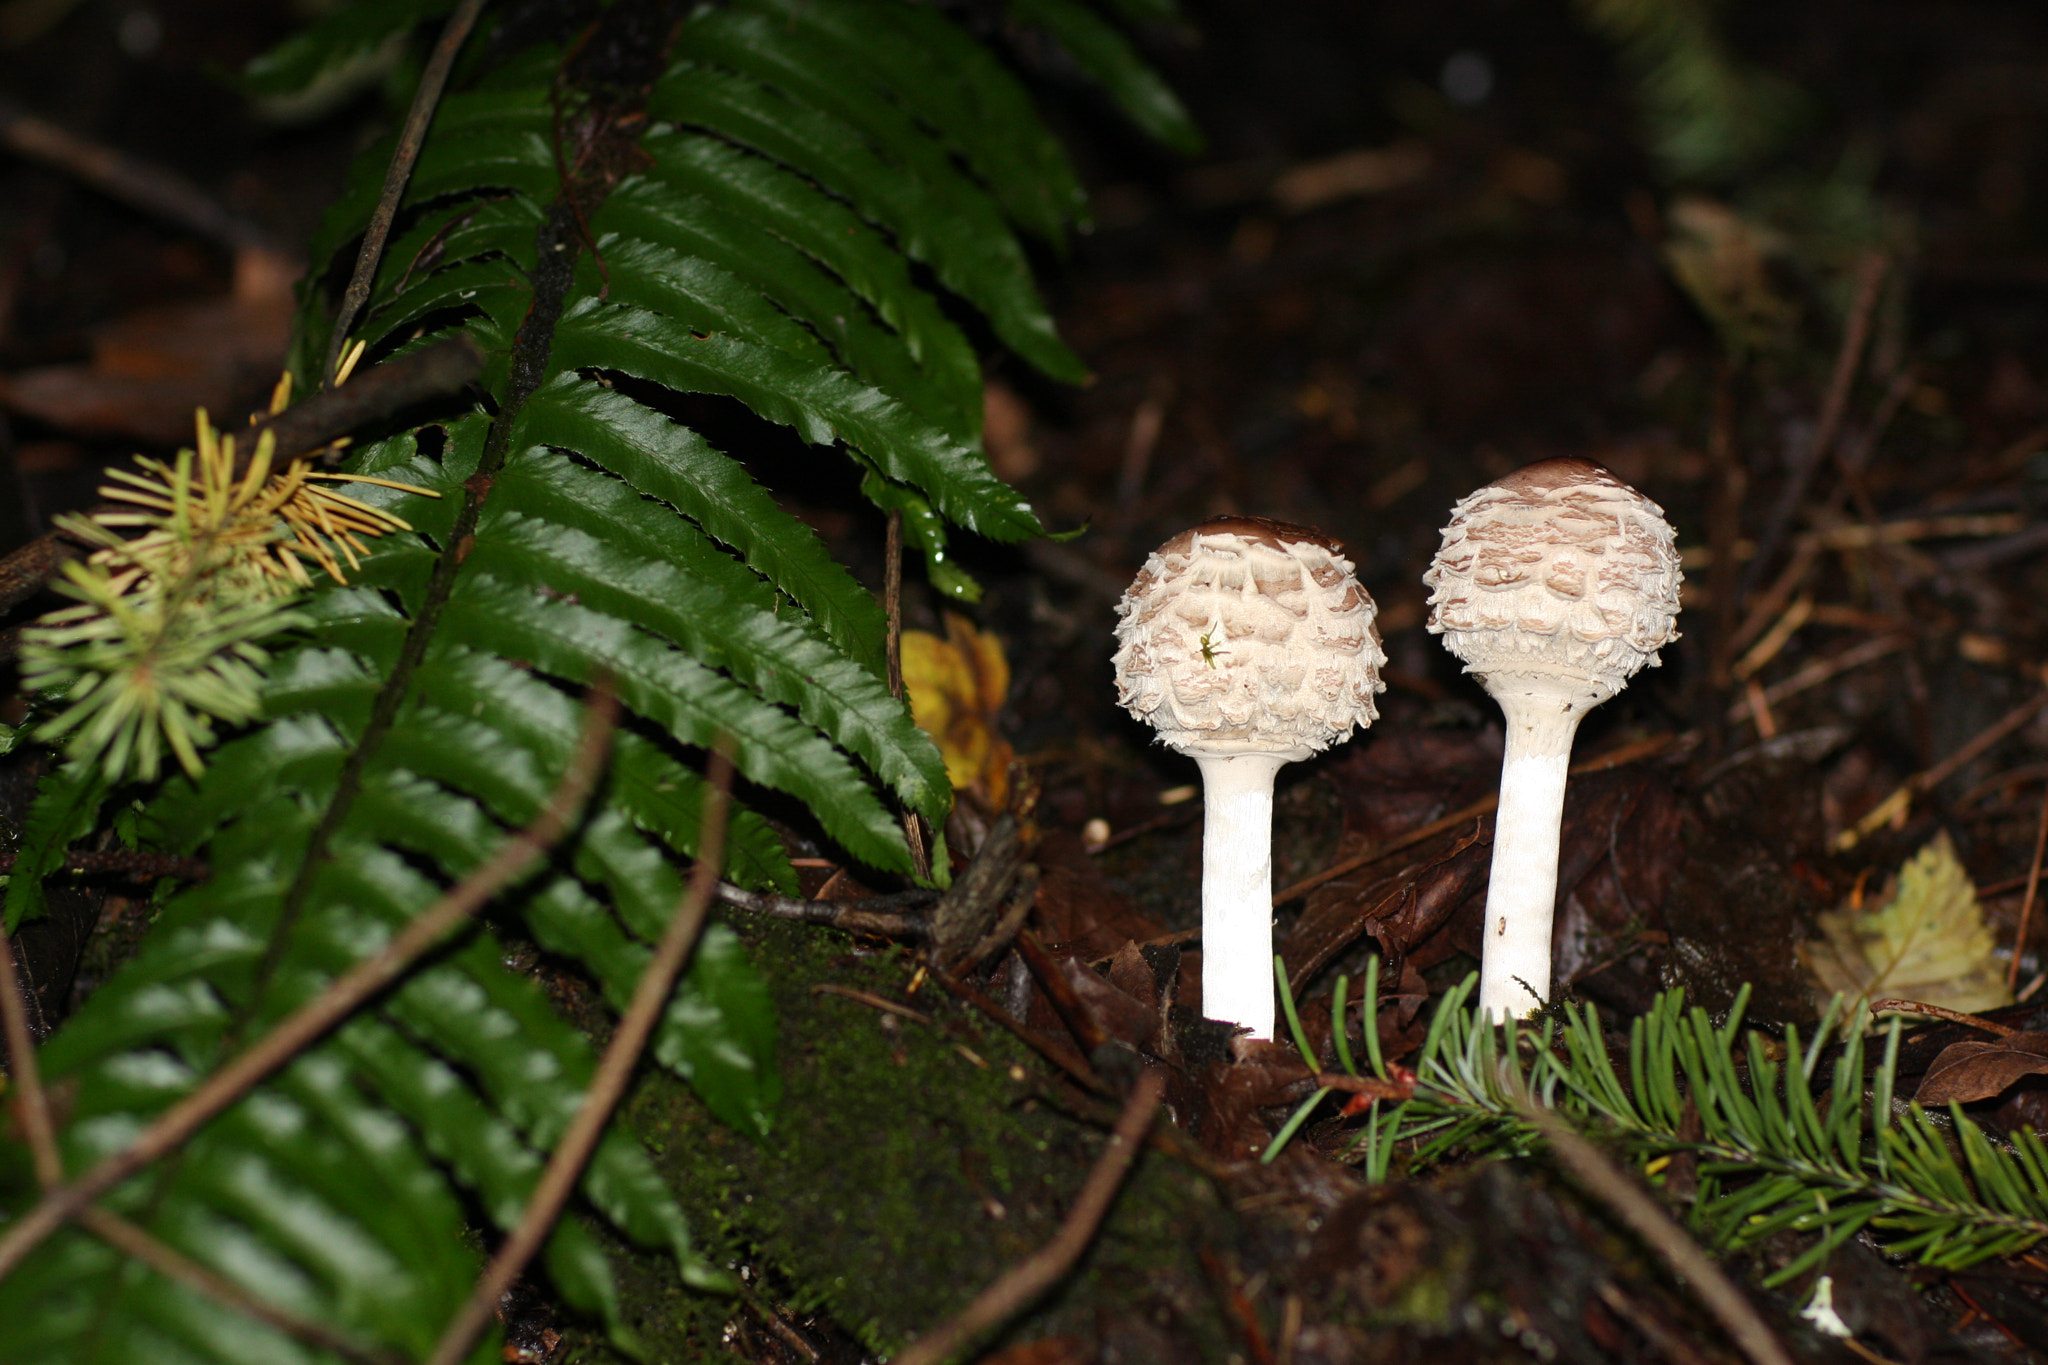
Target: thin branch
[(1870, 277), (565, 1167), (869, 915), (1976, 1021), (1613, 758), (1032, 1276), (1607, 1183), (2019, 938), (31, 1103), (1895, 806), (892, 606), (424, 101), (334, 1004), (135, 864), (154, 189)]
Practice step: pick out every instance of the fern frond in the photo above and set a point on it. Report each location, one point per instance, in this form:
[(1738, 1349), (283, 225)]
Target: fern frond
[(775, 226)]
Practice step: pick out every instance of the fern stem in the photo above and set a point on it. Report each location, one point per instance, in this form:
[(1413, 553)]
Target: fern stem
[(342, 997), (892, 607), (657, 982), (552, 278), (414, 135)]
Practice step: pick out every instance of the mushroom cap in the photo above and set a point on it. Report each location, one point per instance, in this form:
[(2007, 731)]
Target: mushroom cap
[(1244, 635), (1559, 568)]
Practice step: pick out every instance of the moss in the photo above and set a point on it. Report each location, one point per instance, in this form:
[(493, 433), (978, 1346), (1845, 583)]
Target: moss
[(914, 1160)]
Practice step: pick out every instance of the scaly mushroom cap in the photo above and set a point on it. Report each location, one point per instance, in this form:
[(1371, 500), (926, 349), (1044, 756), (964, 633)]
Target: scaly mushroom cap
[(1245, 635), (1558, 568)]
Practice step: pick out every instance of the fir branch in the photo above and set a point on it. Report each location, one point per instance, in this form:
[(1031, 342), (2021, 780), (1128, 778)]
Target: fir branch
[(312, 425), (167, 636), (1774, 1150)]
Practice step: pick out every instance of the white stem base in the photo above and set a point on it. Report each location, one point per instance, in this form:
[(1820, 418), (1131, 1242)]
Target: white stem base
[(1237, 889), (1521, 893)]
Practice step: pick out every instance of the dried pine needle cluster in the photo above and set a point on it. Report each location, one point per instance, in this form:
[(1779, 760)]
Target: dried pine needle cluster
[(166, 637)]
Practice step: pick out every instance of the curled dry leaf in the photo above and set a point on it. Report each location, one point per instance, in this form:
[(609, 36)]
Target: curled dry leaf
[(1969, 1071)]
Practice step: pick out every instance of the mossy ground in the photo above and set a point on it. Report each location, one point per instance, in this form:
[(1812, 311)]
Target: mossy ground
[(913, 1161)]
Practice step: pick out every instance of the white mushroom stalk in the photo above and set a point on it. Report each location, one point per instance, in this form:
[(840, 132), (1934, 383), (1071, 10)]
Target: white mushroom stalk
[(1248, 644), (1554, 585)]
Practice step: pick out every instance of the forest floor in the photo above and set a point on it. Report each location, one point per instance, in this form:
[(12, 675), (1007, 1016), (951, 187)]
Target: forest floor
[(1426, 245)]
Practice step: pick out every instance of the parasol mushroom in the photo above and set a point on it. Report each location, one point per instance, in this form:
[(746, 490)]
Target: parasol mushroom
[(1554, 585), (1247, 644)]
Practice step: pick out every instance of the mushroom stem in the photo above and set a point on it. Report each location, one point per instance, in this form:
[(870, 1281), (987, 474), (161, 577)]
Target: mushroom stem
[(1237, 888), (1542, 716)]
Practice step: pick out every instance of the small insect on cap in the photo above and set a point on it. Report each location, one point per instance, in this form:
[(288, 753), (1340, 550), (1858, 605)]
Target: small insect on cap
[(1557, 568), (1243, 635)]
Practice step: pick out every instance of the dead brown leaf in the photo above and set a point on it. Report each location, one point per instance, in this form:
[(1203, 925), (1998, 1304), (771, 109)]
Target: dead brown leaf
[(1969, 1071)]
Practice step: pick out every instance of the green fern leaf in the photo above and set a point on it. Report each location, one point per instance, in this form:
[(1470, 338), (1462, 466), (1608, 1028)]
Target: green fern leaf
[(778, 201), (953, 227), (347, 35), (649, 453), (945, 387), (1107, 56), (949, 83), (822, 403)]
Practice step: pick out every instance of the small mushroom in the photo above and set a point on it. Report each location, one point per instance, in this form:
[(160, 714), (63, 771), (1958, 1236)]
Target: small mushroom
[(1554, 585), (1247, 644)]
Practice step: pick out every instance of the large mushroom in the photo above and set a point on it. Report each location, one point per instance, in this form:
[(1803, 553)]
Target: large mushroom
[(1555, 585), (1248, 644)]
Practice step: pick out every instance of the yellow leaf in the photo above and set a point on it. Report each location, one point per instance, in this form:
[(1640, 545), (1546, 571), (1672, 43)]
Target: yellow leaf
[(1928, 942), (956, 687)]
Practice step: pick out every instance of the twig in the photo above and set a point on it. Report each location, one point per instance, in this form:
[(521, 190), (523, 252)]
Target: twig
[(1812, 675), (1613, 758), (424, 101), (1607, 1183), (782, 1329), (572, 1154), (368, 397), (139, 864), (31, 1104), (1870, 277), (869, 915), (1036, 1273), (117, 175), (2019, 938), (1900, 801), (1053, 1050), (342, 996), (892, 606), (1977, 1021), (871, 1000)]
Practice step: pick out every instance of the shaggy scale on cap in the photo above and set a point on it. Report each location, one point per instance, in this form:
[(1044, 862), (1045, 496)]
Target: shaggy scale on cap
[(1559, 566), (1247, 634)]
